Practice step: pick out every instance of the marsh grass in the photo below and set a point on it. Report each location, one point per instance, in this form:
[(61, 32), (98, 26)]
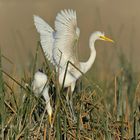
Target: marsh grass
[(101, 114)]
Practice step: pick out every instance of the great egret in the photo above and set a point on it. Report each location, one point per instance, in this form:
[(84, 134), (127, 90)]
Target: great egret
[(59, 45), (39, 85)]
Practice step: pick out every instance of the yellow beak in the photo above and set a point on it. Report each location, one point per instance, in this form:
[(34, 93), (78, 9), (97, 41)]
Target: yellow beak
[(106, 39), (50, 120)]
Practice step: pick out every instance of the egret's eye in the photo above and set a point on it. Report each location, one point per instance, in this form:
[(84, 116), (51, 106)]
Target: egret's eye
[(101, 37)]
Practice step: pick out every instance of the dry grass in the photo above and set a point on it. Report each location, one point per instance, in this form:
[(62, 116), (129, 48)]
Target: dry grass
[(107, 114)]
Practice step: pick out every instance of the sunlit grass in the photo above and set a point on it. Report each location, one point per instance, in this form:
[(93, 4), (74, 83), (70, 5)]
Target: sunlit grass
[(105, 110), (109, 111)]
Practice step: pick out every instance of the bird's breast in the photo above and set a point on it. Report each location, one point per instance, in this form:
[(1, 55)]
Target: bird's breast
[(71, 77)]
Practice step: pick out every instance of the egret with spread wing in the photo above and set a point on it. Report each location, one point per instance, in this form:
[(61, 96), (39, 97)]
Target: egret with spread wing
[(59, 45)]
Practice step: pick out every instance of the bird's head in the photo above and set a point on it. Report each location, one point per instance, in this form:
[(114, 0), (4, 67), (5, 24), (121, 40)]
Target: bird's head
[(40, 79), (99, 36)]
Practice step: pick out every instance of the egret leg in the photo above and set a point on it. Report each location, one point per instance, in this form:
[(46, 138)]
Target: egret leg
[(68, 100), (67, 96), (71, 101)]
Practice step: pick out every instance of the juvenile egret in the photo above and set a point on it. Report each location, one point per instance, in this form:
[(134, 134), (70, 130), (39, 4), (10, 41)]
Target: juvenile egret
[(39, 86), (59, 45)]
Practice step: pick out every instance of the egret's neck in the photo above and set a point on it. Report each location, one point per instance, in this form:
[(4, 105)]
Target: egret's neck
[(87, 65)]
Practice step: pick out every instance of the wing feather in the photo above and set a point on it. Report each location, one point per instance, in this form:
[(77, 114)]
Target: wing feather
[(66, 37), (46, 37)]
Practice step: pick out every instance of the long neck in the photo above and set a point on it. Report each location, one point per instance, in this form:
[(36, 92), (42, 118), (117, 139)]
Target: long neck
[(87, 65)]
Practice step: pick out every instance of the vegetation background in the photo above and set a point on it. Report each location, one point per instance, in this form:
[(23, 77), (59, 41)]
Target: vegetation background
[(116, 69), (119, 20)]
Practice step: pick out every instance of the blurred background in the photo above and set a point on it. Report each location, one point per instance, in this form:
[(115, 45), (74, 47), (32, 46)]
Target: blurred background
[(119, 20)]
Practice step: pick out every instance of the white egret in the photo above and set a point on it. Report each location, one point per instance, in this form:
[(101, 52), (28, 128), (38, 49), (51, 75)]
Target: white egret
[(39, 86), (59, 45)]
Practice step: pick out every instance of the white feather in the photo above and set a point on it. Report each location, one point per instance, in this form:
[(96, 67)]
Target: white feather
[(46, 37), (65, 37), (39, 81), (61, 43), (59, 47), (40, 86)]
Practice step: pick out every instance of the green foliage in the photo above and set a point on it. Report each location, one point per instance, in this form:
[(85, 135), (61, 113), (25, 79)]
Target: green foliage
[(109, 111)]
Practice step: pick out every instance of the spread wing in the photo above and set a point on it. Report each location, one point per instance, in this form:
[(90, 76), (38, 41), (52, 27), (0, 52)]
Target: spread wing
[(46, 37), (66, 37)]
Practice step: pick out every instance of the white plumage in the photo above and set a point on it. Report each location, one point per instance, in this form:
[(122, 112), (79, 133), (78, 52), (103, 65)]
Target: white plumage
[(40, 86), (61, 43), (46, 37)]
